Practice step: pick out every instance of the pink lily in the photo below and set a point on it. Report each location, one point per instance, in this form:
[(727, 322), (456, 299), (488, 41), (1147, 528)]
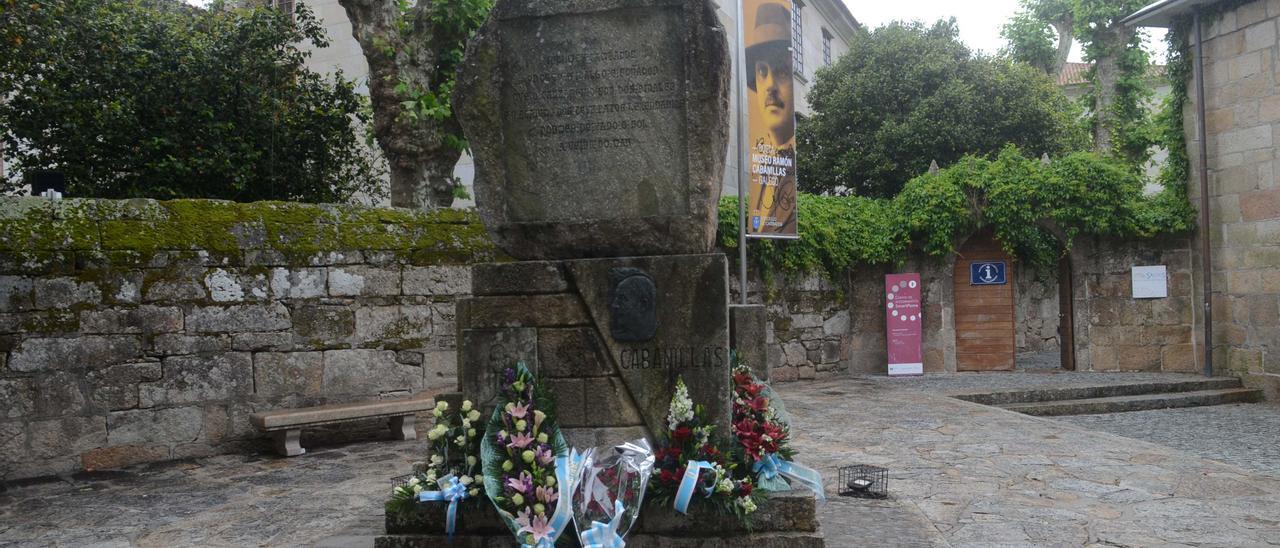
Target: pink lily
[(522, 484), (525, 519), (519, 411), (521, 440), (545, 457), (547, 495), (540, 529)]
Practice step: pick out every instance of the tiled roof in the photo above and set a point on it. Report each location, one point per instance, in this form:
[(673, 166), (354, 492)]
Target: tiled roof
[(1074, 74)]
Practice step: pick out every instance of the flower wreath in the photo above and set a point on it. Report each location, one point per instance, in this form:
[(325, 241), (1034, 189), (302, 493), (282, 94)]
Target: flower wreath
[(454, 459), (762, 428), (688, 463), (529, 471)]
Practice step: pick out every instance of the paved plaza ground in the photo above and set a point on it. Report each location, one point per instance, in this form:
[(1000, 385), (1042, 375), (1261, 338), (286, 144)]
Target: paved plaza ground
[(962, 474)]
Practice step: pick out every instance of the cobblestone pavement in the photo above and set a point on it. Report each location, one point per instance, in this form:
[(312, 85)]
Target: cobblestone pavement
[(332, 495), (1245, 434), (981, 476), (962, 474)]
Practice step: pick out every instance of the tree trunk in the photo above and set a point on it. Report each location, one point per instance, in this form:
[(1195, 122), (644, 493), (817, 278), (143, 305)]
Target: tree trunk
[(423, 183), (1064, 27), (1107, 73), (420, 158)]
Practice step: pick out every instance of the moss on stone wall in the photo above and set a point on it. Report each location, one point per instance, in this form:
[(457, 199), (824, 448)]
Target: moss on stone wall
[(138, 229)]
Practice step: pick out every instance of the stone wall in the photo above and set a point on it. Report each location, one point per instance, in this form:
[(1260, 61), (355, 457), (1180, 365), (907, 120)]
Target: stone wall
[(808, 327), (817, 328), (1242, 105), (1036, 310), (1114, 331), (134, 331)]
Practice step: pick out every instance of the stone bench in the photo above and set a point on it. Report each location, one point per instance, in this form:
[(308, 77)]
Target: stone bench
[(286, 425)]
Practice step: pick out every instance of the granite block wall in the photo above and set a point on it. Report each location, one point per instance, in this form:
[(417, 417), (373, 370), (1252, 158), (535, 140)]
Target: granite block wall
[(138, 331), (1242, 108), (820, 329), (1114, 331)]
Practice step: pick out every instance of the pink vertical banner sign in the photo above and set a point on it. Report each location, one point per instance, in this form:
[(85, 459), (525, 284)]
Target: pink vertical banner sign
[(903, 316)]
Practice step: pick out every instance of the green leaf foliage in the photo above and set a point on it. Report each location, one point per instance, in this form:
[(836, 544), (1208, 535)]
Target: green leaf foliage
[(154, 98), (907, 94), (1031, 41), (1124, 121), (1035, 209), (1171, 209)]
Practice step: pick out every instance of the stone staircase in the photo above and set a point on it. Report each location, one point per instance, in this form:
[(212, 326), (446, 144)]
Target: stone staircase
[(1116, 398)]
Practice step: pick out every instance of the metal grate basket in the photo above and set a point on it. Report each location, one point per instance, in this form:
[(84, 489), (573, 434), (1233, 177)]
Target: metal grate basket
[(401, 480), (864, 480)]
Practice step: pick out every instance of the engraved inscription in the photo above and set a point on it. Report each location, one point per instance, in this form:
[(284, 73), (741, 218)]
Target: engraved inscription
[(591, 97), (673, 357)]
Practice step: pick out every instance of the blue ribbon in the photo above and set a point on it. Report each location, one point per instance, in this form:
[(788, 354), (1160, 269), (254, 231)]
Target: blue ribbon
[(452, 494), (687, 483), (771, 466), (605, 535), (567, 468)]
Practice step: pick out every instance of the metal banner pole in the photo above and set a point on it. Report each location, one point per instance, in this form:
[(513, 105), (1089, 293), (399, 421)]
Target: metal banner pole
[(743, 180)]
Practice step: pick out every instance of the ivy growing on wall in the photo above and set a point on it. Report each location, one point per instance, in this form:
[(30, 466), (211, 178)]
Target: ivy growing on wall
[(1176, 172), (1035, 209)]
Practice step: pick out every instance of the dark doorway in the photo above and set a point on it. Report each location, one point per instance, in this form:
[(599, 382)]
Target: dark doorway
[(1066, 314)]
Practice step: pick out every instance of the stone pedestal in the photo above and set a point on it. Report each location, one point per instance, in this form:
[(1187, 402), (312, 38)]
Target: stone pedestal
[(785, 520), (747, 325), (609, 336)]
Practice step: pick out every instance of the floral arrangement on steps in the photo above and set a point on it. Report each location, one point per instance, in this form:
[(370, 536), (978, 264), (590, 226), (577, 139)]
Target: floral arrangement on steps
[(529, 471), (453, 466), (608, 499), (690, 466), (762, 427)]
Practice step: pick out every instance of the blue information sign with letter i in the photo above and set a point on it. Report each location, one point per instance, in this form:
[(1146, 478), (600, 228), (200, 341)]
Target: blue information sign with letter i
[(987, 273)]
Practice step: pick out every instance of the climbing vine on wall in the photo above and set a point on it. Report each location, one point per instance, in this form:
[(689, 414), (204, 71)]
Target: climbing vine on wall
[(1035, 209), (1171, 133)]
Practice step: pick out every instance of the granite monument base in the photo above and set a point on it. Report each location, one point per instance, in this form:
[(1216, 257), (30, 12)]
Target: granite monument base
[(786, 519), (609, 337)]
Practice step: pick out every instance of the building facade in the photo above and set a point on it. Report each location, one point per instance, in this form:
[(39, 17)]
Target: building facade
[(822, 31), (1242, 130)]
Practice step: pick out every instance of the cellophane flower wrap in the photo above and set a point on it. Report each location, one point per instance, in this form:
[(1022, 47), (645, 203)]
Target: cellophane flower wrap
[(520, 451), (620, 475), (689, 439), (762, 427), (453, 456)]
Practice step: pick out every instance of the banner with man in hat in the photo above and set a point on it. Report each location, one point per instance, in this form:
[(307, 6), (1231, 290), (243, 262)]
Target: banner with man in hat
[(771, 113)]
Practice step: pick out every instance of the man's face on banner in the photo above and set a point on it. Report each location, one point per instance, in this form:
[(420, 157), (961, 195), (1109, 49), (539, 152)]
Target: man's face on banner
[(775, 94)]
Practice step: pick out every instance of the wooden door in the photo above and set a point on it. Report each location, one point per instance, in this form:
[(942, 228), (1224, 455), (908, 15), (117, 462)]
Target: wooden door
[(1066, 315), (984, 313)]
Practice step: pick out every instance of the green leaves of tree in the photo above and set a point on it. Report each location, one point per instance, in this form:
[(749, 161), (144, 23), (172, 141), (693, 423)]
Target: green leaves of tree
[(154, 98), (906, 95), (1025, 201)]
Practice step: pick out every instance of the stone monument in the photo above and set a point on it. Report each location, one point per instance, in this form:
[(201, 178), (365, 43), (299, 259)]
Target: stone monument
[(599, 130)]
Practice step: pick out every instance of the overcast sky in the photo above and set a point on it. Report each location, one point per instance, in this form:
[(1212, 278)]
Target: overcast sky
[(979, 20)]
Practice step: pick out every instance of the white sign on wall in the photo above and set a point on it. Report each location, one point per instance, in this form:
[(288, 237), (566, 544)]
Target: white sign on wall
[(1150, 282)]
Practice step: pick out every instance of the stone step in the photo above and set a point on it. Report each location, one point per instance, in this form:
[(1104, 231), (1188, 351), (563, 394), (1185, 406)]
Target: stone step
[(1138, 402), (1101, 391), (785, 519)]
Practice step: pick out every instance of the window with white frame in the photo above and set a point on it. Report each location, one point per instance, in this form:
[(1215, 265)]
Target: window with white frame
[(826, 48), (285, 6), (797, 38)]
